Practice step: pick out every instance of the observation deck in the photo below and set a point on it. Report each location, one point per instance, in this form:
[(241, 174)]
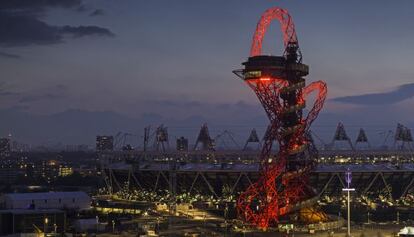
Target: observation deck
[(267, 66)]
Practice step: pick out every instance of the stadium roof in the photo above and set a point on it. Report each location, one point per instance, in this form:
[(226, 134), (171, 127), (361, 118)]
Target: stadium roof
[(226, 167)]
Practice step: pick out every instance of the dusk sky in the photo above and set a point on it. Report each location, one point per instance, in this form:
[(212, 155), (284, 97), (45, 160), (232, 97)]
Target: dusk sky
[(173, 59)]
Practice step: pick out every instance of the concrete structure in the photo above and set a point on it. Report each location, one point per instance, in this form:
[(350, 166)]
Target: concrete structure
[(50, 200)]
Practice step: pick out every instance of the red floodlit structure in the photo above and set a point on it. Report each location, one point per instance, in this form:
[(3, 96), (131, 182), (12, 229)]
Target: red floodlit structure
[(279, 84)]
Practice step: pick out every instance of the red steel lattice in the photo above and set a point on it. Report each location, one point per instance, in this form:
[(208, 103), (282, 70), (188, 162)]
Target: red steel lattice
[(282, 187)]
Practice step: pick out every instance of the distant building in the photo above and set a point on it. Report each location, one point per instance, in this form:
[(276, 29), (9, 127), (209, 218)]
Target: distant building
[(86, 170), (13, 168), (182, 144), (65, 170), (19, 147), (49, 170), (75, 148), (83, 147), (5, 149), (8, 173), (104, 143), (46, 200)]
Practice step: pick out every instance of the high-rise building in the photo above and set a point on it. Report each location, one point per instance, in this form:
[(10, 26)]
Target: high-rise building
[(65, 170), (104, 143), (182, 144), (5, 148)]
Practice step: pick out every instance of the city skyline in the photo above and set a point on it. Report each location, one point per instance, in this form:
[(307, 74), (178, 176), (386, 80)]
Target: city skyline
[(206, 118), (168, 62)]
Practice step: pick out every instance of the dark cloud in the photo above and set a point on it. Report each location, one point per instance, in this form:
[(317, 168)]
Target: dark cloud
[(37, 5), (97, 12), (18, 30), (80, 31), (20, 25), (9, 55), (397, 95)]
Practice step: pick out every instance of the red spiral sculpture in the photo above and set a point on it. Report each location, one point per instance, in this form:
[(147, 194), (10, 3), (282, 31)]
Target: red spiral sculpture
[(280, 87)]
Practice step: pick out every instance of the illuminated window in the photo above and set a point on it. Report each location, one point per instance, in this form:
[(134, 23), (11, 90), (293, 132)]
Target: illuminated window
[(252, 74)]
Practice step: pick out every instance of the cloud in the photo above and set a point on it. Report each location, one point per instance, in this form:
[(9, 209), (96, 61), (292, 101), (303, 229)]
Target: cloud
[(53, 93), (9, 55), (82, 8), (5, 90), (19, 108), (399, 94), (81, 31), (61, 87), (38, 5), (21, 25), (97, 12), (26, 30), (35, 98), (9, 93)]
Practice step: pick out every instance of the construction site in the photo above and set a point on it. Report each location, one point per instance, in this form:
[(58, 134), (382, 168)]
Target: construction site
[(284, 181)]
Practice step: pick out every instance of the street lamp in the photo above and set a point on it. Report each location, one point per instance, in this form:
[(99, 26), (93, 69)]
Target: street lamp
[(226, 209), (158, 225), (46, 221), (398, 217), (348, 189)]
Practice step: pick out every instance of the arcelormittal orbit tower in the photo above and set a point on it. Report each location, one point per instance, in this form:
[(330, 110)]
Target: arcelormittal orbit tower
[(279, 83)]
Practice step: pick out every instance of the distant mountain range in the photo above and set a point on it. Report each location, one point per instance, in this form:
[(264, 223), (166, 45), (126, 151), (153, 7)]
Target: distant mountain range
[(81, 127), (398, 94)]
